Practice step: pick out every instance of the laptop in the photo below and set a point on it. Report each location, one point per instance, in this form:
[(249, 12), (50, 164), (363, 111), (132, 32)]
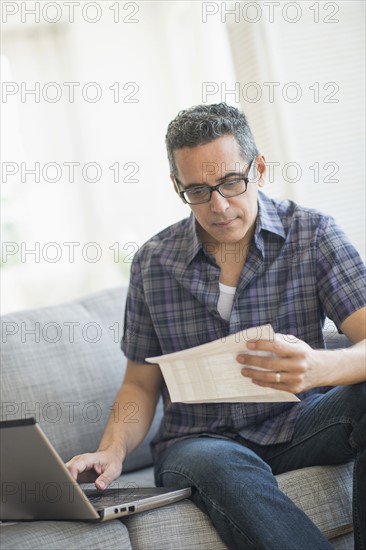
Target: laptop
[(36, 485)]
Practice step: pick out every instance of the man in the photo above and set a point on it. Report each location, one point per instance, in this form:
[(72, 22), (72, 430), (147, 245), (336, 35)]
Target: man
[(241, 260)]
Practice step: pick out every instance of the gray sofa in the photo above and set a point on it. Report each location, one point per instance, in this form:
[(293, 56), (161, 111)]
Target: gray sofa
[(63, 365)]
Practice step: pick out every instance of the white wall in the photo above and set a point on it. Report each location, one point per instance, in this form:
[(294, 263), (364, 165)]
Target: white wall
[(168, 77), (169, 53)]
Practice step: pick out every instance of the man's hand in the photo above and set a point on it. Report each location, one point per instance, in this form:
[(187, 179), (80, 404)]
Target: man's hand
[(141, 387), (106, 465), (297, 365)]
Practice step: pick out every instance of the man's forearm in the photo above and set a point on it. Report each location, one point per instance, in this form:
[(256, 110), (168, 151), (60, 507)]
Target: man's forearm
[(130, 420), (344, 366)]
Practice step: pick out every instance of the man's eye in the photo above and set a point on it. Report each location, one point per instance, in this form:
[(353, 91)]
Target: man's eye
[(198, 192), (233, 183)]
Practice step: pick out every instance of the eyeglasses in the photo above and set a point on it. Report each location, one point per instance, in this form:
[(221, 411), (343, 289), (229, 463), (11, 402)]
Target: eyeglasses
[(202, 193)]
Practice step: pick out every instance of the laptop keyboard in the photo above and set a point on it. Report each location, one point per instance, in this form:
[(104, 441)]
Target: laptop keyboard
[(112, 497)]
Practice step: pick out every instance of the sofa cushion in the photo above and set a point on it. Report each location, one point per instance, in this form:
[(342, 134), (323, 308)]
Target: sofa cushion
[(324, 493), (63, 365), (181, 525), (344, 542), (53, 535)]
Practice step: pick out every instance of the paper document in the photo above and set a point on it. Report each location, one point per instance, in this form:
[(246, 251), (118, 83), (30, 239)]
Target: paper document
[(211, 374)]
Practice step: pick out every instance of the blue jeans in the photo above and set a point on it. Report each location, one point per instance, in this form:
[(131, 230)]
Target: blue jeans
[(234, 479)]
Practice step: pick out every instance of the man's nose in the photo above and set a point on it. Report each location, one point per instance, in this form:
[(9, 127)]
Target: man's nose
[(218, 203)]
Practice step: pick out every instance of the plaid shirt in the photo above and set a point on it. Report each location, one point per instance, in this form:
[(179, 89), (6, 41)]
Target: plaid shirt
[(299, 269)]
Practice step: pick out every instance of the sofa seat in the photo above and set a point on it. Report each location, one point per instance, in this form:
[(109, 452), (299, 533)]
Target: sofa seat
[(58, 535), (63, 365), (315, 490)]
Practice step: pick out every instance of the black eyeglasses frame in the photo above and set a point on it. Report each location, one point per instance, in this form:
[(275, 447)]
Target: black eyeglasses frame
[(216, 187)]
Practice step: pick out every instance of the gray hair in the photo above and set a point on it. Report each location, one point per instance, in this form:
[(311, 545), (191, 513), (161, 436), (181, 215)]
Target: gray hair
[(205, 123)]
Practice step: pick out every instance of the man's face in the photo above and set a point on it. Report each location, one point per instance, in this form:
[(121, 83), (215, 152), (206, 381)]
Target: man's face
[(223, 220)]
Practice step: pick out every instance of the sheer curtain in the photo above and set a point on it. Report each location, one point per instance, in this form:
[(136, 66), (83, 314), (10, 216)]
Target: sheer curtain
[(163, 59), (36, 210), (313, 126)]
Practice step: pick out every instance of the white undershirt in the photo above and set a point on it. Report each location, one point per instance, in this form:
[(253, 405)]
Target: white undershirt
[(225, 303)]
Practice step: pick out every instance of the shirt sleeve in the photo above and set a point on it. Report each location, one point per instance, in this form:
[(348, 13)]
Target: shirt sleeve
[(340, 273), (139, 338)]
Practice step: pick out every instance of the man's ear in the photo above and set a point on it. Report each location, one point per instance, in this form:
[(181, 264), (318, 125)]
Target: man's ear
[(174, 183), (261, 170)]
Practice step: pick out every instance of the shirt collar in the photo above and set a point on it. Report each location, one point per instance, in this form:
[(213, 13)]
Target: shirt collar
[(268, 217), (268, 220), (194, 242)]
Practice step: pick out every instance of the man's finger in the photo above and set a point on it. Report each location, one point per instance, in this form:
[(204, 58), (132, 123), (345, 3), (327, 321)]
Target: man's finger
[(106, 477), (78, 465), (76, 468), (270, 363), (101, 483), (283, 344)]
